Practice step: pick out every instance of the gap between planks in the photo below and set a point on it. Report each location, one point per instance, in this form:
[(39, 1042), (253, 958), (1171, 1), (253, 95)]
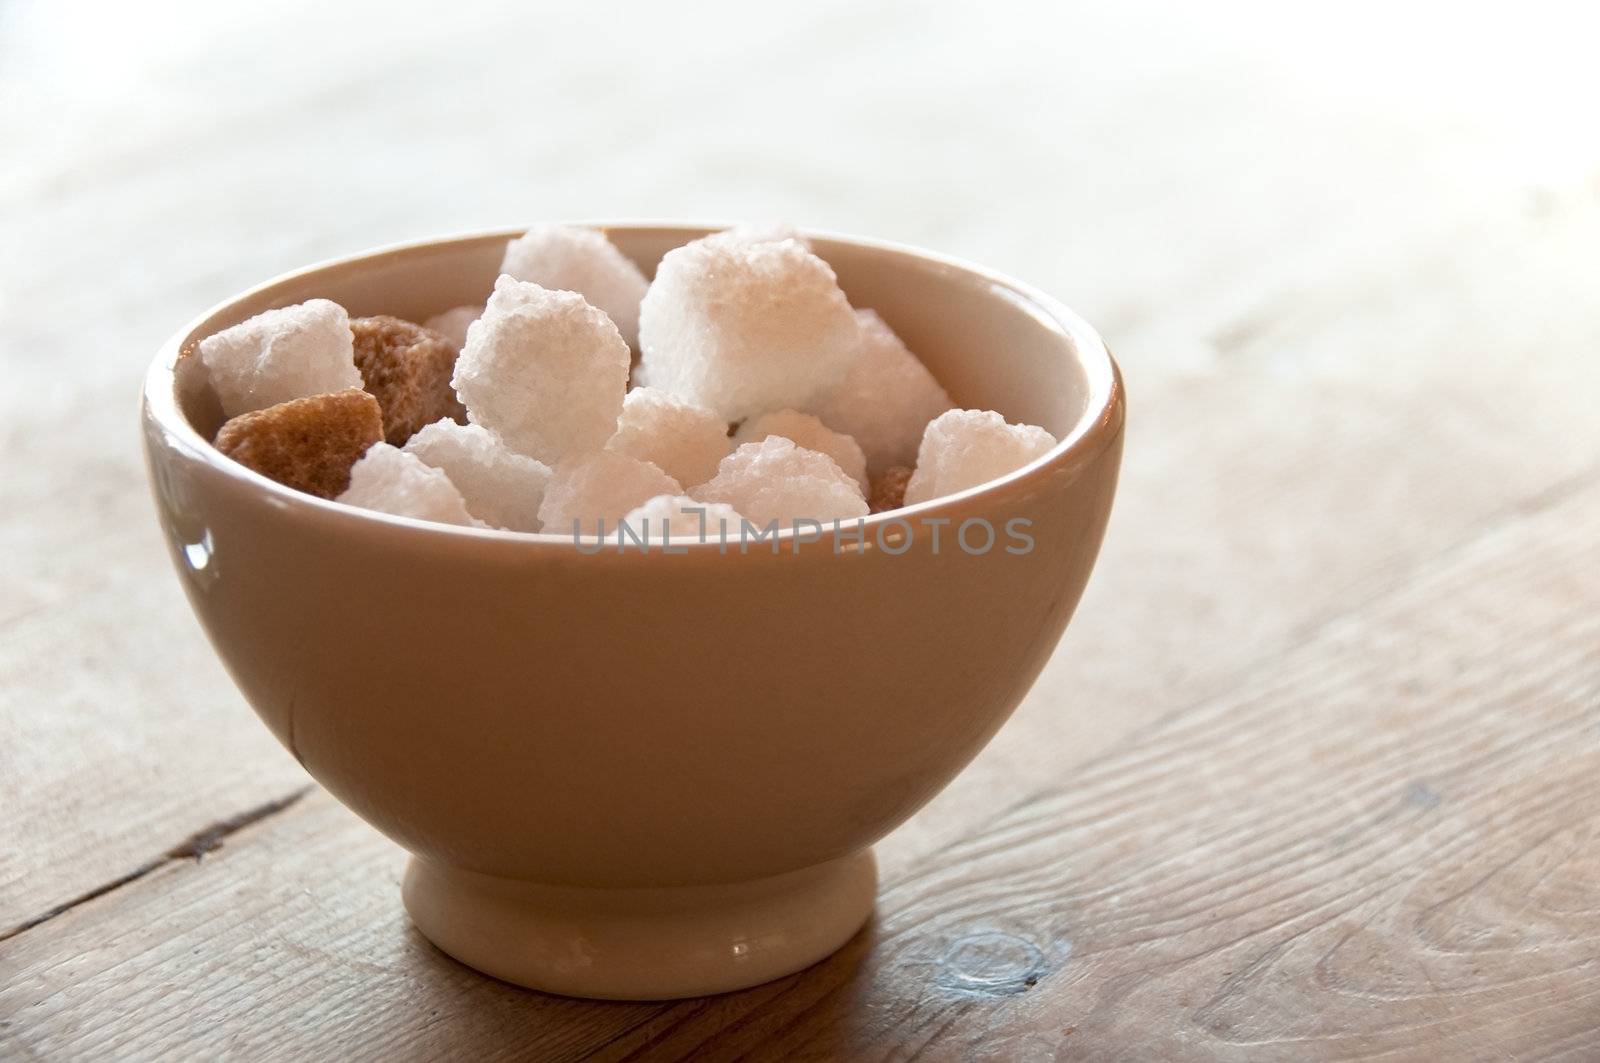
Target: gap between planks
[(194, 847)]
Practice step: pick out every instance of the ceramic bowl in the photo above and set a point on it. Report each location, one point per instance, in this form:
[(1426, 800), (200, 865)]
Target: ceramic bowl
[(633, 774)]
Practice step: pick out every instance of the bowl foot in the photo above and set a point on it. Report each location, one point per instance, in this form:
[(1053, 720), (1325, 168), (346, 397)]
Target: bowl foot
[(641, 943)]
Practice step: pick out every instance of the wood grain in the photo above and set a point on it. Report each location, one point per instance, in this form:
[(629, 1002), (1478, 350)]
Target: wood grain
[(1307, 777), (207, 958), (1384, 839), (1381, 846)]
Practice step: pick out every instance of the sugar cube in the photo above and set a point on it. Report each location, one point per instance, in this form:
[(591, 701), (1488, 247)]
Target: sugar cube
[(965, 448), (774, 480), (407, 368), (600, 486), (544, 370), (281, 354), (761, 233), (389, 480), (681, 519), (575, 259), (681, 439), (808, 432), (308, 444), (500, 487), (452, 324), (885, 400), (889, 489), (740, 328)]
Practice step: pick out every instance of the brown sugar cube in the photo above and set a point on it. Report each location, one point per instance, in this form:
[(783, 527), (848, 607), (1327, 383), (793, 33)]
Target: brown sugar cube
[(308, 444), (889, 489), (407, 368)]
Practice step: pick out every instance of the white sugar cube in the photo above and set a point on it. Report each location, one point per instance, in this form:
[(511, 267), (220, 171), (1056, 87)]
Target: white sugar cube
[(806, 431), (774, 480), (389, 480), (681, 439), (681, 519), (283, 354), (500, 487), (453, 323), (602, 486), (769, 232), (965, 448), (885, 400), (740, 328), (544, 370), (574, 259)]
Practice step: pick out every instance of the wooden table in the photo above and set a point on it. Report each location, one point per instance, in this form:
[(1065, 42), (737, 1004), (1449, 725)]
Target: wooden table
[(1315, 773)]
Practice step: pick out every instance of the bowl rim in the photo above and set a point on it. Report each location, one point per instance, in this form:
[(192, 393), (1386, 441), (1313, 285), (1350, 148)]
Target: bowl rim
[(1096, 427)]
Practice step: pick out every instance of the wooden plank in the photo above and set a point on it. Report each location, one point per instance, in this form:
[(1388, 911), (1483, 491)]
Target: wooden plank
[(1384, 846), (124, 736), (1211, 527), (1305, 475), (1384, 839), (239, 954)]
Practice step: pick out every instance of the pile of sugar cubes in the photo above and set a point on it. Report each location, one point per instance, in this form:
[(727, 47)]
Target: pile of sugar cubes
[(759, 395)]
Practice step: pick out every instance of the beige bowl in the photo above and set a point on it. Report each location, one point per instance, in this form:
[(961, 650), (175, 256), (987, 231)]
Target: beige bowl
[(646, 776)]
